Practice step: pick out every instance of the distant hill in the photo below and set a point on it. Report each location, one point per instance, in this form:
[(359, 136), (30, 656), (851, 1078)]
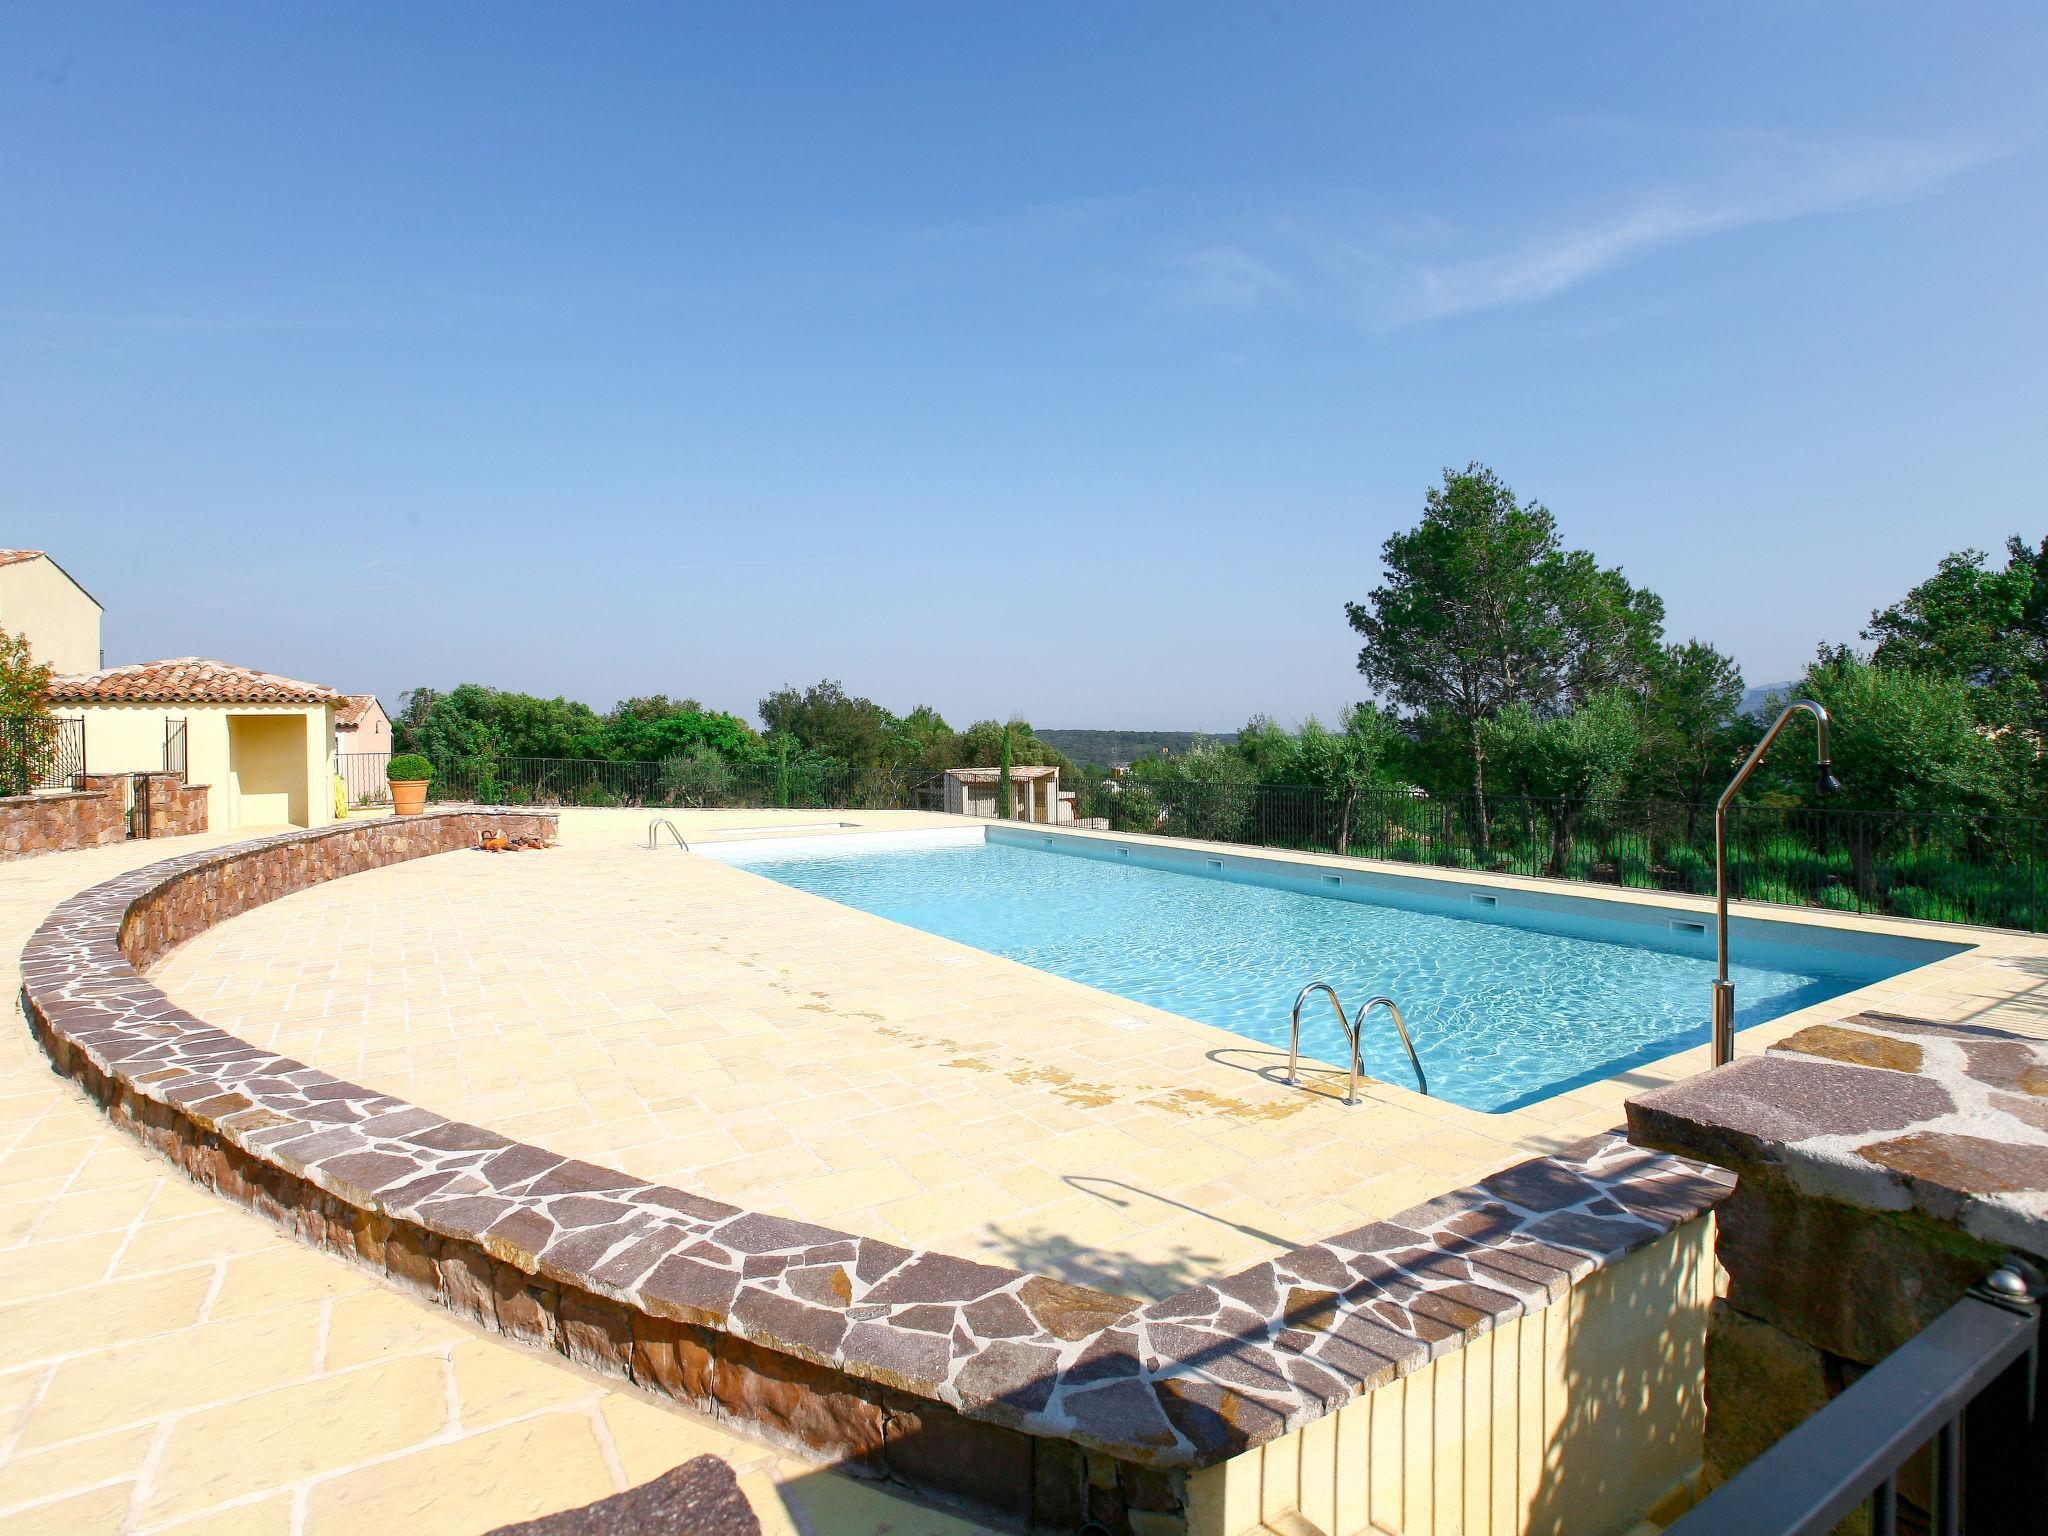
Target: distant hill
[(1101, 749), (1752, 701)]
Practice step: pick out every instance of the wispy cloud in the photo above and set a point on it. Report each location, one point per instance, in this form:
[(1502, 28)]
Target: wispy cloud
[(1221, 277), (1803, 184), (1392, 278)]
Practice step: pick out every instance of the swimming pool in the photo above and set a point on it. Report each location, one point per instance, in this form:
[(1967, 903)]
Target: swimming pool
[(1511, 995)]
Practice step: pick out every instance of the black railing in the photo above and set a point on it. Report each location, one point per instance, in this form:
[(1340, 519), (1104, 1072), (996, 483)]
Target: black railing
[(1991, 870), (673, 783), (39, 752), (362, 777), (174, 749), (1969, 1384)]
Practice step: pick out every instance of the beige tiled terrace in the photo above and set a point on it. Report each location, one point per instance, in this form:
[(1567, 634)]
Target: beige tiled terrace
[(170, 1363), (700, 1026)]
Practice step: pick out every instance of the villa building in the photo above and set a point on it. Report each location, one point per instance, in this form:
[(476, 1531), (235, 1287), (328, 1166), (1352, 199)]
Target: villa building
[(39, 599), (263, 745), (362, 725)]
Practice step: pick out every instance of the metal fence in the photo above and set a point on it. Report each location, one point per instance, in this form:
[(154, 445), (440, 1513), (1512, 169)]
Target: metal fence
[(174, 749), (362, 777), (676, 783), (40, 752), (1990, 870)]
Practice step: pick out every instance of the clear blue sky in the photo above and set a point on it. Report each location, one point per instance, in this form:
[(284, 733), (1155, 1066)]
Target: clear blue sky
[(1071, 360)]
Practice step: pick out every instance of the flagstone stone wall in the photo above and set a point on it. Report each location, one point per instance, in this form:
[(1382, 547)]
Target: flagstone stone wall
[(95, 814), (37, 824), (1030, 1401), (1885, 1165)]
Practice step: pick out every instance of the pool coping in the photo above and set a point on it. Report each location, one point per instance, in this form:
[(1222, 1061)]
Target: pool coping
[(821, 1338)]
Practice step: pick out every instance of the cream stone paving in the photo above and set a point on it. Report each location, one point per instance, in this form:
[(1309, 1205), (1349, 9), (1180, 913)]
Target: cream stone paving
[(701, 1026), (172, 1364)]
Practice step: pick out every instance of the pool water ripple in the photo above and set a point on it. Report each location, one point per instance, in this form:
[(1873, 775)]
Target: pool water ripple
[(1501, 1014)]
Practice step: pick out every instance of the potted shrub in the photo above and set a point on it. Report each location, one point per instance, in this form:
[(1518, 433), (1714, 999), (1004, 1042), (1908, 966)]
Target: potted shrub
[(408, 774)]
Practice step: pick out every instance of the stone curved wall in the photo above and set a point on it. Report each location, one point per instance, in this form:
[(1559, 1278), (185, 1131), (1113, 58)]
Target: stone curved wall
[(1039, 1402)]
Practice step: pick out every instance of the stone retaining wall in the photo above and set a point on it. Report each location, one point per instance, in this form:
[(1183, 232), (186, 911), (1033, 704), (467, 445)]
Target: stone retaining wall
[(1028, 1400), (176, 809), (1885, 1165), (36, 824), (95, 814)]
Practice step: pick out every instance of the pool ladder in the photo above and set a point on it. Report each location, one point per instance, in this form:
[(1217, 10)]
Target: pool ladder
[(1354, 1029), (654, 833)]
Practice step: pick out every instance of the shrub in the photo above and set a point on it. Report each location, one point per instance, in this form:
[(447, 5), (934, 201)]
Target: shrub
[(1633, 869), (1794, 860), (2029, 915), (1580, 862), (1767, 889), (408, 767), (1136, 810), (1913, 901), (1839, 898), (701, 778), (1695, 871)]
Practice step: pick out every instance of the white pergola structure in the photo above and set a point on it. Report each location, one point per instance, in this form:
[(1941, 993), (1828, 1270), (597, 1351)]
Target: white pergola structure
[(1034, 793)]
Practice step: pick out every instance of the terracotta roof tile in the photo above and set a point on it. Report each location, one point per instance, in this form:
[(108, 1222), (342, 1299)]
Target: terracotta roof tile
[(352, 709), (185, 680), (16, 556)]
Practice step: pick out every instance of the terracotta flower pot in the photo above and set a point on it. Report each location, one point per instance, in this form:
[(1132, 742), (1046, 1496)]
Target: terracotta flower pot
[(409, 796)]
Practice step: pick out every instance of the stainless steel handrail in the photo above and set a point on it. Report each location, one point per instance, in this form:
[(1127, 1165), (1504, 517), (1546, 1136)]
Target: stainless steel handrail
[(1724, 989), (1354, 1030), (1401, 1024), (1294, 1036), (654, 833)]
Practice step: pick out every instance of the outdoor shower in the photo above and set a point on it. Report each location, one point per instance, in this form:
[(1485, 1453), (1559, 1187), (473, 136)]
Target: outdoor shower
[(1825, 784)]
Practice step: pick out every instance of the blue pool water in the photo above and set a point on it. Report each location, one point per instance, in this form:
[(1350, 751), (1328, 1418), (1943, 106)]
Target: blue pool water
[(1508, 1004)]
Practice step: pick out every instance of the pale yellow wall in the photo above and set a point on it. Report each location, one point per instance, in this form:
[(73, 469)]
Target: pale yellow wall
[(62, 624), (1572, 1421), (266, 771), (129, 738)]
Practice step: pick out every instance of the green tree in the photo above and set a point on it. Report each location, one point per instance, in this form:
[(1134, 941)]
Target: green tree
[(26, 728), (921, 743), (1344, 764), (1208, 791), (1690, 728), (1482, 608), (980, 745), (1568, 760), (827, 719), (1988, 627), (1267, 747), (24, 681), (1339, 765), (700, 777), (473, 721), (638, 734), (1905, 740)]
